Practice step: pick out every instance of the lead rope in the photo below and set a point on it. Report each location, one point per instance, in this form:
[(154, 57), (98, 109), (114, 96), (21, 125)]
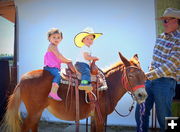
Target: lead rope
[(130, 108), (142, 112)]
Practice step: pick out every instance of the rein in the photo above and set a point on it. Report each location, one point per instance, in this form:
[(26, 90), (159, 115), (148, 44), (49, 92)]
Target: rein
[(130, 108)]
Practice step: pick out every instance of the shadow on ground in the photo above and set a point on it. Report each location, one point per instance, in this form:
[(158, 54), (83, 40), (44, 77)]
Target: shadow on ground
[(64, 127)]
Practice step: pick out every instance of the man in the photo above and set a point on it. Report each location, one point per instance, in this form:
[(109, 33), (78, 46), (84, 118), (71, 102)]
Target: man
[(163, 73)]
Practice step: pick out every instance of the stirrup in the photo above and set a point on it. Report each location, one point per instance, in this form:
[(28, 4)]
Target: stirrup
[(95, 98), (85, 87)]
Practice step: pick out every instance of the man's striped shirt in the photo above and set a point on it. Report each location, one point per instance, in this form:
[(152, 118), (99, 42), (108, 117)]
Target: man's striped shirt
[(166, 57)]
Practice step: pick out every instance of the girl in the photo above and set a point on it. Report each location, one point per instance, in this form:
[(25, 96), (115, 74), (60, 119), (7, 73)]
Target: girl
[(53, 59)]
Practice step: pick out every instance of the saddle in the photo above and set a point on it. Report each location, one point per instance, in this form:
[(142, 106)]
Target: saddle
[(68, 75), (72, 76)]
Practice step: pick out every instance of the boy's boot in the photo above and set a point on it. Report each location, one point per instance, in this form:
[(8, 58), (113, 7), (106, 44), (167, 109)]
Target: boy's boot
[(85, 86)]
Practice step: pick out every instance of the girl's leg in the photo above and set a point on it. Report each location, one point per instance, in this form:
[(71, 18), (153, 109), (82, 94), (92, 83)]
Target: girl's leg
[(53, 92), (55, 84)]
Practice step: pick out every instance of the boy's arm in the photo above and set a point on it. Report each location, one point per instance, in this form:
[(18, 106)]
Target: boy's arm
[(87, 56), (58, 54)]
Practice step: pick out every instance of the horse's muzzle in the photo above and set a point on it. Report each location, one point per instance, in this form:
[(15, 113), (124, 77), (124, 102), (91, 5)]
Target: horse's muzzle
[(140, 95)]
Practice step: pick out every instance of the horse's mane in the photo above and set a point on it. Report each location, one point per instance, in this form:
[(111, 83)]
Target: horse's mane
[(119, 65), (113, 68)]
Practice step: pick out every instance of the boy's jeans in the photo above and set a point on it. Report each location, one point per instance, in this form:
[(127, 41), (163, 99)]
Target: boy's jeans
[(161, 92), (55, 72), (84, 69)]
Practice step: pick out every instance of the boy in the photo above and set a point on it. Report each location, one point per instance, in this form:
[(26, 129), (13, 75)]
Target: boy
[(84, 40)]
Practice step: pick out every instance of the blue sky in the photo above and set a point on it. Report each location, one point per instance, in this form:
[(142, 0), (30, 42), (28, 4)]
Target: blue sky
[(126, 27), (6, 36)]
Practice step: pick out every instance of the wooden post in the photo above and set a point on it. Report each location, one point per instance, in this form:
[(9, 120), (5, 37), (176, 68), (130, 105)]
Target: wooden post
[(4, 86), (86, 124)]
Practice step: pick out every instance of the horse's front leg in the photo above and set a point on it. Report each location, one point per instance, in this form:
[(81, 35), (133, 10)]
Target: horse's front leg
[(100, 126), (93, 124), (96, 124)]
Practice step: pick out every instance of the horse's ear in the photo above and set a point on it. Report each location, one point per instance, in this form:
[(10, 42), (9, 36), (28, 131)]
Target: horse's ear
[(136, 57), (124, 60), (135, 60)]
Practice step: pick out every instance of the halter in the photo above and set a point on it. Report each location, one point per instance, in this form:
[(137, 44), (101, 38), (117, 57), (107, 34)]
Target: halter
[(126, 83)]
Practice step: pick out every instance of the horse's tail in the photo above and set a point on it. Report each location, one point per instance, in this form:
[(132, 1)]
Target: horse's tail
[(11, 121)]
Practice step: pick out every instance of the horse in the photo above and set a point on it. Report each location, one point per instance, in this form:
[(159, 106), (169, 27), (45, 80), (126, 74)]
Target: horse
[(33, 88)]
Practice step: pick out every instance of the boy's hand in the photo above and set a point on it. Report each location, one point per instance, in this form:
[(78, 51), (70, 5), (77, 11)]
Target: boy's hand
[(69, 61), (96, 59)]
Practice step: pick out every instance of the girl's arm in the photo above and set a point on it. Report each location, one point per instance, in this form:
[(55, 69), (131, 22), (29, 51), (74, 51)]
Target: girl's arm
[(54, 49)]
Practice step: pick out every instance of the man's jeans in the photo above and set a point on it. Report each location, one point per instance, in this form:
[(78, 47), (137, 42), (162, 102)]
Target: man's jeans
[(55, 72), (161, 92), (84, 69)]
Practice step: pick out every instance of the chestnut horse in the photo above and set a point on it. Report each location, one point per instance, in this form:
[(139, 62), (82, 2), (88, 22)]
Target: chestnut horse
[(34, 87)]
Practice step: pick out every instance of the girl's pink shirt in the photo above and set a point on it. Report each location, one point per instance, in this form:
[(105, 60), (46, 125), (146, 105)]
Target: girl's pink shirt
[(51, 60)]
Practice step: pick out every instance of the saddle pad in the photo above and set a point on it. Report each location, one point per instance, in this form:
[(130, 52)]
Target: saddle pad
[(67, 82), (66, 75), (65, 79)]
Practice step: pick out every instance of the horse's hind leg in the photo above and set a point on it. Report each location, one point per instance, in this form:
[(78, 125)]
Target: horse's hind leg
[(31, 121), (35, 123)]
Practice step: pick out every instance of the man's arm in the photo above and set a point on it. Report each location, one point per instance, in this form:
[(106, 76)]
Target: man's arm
[(172, 63)]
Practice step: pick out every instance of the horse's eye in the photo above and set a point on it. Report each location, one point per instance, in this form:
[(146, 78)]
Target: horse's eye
[(139, 71)]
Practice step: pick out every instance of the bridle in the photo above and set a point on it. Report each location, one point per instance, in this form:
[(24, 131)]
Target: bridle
[(129, 88), (126, 81)]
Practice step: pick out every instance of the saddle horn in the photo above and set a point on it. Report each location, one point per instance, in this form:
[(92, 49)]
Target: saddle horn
[(71, 67)]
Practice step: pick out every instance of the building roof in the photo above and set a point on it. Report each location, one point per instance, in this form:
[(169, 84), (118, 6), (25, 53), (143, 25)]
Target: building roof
[(7, 10)]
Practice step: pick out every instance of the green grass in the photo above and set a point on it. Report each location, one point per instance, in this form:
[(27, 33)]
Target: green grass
[(176, 108)]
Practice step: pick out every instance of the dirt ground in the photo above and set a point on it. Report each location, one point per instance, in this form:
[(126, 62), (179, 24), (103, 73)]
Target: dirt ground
[(64, 127), (45, 126)]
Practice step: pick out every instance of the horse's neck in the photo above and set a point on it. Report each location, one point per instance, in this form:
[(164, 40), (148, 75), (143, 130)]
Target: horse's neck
[(115, 88)]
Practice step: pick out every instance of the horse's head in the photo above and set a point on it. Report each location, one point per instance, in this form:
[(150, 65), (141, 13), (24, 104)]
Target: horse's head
[(134, 78)]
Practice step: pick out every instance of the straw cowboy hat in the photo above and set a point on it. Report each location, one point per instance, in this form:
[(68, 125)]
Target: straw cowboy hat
[(80, 36), (170, 12)]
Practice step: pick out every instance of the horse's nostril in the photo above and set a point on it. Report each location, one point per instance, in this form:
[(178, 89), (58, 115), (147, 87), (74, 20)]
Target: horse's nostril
[(140, 95)]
